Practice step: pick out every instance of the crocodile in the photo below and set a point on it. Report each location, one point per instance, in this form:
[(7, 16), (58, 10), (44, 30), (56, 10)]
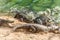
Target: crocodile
[(37, 27)]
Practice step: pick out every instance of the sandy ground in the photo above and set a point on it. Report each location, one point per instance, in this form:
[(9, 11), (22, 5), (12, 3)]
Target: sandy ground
[(7, 34)]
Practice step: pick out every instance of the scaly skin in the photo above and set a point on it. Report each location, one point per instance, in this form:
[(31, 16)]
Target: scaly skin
[(34, 27), (24, 15), (37, 27)]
